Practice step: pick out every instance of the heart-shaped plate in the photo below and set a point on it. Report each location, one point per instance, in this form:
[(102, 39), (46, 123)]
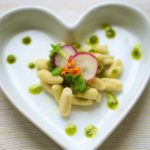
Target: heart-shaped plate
[(131, 25)]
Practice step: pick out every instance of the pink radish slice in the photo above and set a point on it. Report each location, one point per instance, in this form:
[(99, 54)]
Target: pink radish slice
[(68, 50), (88, 64)]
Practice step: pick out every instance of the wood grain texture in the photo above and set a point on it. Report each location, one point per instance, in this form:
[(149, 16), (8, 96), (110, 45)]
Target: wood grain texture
[(17, 133)]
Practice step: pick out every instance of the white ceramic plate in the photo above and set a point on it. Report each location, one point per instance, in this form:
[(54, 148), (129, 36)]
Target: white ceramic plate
[(44, 27)]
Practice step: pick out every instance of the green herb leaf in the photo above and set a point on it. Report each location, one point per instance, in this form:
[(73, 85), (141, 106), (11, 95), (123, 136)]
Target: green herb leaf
[(56, 71), (80, 84), (56, 48), (77, 82)]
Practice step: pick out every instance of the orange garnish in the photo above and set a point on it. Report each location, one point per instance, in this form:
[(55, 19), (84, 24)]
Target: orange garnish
[(71, 63), (70, 69)]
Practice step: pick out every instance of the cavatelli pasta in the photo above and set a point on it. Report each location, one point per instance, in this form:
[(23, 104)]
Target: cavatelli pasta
[(102, 49), (81, 102), (47, 77), (115, 69), (86, 48), (57, 91), (108, 61), (47, 87), (42, 64), (101, 57), (112, 84), (62, 43), (107, 84), (65, 103), (99, 97), (90, 93), (97, 83)]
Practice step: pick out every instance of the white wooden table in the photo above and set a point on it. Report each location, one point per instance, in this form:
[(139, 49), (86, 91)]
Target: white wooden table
[(17, 133)]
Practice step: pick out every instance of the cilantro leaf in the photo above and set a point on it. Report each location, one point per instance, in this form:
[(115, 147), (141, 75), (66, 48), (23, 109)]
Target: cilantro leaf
[(80, 84), (56, 48), (77, 82), (56, 71)]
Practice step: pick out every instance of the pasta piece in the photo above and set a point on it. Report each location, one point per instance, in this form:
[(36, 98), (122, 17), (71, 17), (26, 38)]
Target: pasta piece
[(101, 57), (115, 70), (81, 102), (57, 91), (47, 87), (107, 84), (97, 83), (102, 49), (108, 61), (112, 84), (65, 103), (62, 43), (90, 93), (42, 64), (86, 48), (47, 77), (99, 97)]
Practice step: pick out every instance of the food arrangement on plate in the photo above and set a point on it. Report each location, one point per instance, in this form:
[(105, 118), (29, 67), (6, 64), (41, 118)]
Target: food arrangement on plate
[(80, 76)]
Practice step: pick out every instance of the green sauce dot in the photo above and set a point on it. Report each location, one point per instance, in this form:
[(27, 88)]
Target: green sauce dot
[(136, 52), (112, 101), (31, 65), (93, 40), (90, 131), (35, 89), (26, 40), (114, 73), (11, 59), (71, 129), (76, 45), (110, 32)]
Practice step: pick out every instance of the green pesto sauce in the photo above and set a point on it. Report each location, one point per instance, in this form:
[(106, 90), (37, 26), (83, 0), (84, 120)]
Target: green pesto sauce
[(71, 129), (90, 131), (105, 26), (110, 33), (136, 52), (93, 39), (112, 101), (114, 73), (11, 59), (31, 65), (76, 45), (26, 40), (35, 89)]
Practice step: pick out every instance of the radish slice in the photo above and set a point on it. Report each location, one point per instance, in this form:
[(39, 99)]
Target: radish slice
[(68, 50), (88, 64)]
